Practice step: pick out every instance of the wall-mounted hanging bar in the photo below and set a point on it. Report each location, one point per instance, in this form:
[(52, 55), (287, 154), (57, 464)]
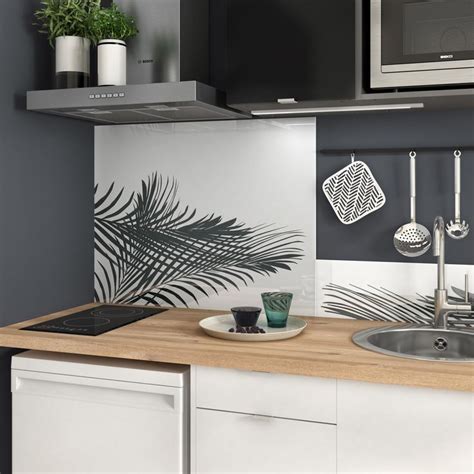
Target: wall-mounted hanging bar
[(395, 151)]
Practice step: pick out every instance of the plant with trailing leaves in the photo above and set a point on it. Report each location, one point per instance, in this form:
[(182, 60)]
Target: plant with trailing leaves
[(151, 249), (111, 23), (66, 18)]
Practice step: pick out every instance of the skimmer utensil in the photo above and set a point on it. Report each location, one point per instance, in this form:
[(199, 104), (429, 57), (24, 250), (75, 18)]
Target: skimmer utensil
[(412, 239), (457, 229)]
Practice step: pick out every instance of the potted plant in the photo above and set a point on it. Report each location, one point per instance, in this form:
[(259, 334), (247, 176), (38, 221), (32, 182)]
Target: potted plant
[(111, 27), (68, 26)]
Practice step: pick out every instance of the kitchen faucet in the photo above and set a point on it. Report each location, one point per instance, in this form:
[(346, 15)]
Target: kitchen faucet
[(443, 308)]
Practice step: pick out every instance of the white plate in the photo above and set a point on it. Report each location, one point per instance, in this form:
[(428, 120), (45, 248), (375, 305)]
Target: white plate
[(218, 326)]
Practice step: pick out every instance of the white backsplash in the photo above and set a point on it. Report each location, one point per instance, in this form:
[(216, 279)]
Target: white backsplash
[(260, 172), (382, 290)]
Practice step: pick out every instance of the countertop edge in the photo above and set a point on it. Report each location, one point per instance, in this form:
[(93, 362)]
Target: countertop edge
[(379, 369)]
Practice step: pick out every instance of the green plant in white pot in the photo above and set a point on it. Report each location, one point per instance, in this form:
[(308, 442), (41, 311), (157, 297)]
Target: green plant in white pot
[(111, 28), (68, 26)]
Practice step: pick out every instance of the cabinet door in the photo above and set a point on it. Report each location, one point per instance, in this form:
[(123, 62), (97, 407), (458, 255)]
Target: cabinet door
[(388, 429), (302, 49), (232, 442), (76, 424)]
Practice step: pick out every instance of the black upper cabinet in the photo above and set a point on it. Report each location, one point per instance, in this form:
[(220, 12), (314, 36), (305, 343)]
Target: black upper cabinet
[(279, 49)]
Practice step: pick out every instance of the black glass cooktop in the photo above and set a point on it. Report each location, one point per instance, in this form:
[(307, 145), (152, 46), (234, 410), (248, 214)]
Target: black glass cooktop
[(95, 321)]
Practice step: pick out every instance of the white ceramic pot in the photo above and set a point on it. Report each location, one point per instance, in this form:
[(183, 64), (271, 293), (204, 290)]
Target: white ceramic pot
[(112, 63), (72, 62)]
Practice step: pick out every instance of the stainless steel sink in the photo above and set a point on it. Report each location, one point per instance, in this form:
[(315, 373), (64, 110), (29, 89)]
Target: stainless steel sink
[(436, 342), (419, 342)]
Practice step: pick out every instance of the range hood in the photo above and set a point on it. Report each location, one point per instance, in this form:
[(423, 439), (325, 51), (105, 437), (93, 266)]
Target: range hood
[(140, 103), (167, 69)]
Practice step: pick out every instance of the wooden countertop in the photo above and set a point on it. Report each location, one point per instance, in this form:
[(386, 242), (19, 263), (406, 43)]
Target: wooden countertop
[(324, 349)]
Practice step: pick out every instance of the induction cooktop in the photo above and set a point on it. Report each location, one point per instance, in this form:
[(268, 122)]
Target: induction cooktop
[(95, 321)]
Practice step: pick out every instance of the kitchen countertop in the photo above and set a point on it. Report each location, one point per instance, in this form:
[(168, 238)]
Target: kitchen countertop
[(324, 349)]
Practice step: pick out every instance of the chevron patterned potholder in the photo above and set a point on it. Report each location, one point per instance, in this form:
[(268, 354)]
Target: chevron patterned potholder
[(353, 192)]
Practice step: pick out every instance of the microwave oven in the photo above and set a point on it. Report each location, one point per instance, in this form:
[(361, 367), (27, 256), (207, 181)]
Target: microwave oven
[(421, 43)]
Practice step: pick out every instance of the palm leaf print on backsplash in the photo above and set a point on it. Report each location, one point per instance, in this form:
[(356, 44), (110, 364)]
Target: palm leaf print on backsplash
[(381, 304), (152, 249)]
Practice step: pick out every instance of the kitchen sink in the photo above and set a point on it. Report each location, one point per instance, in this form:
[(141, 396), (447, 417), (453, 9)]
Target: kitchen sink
[(419, 342)]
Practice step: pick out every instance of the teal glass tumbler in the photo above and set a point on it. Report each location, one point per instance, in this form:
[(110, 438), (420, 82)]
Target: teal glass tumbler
[(277, 307)]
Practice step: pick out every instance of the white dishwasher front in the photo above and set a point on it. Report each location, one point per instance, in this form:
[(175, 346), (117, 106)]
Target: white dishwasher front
[(85, 414)]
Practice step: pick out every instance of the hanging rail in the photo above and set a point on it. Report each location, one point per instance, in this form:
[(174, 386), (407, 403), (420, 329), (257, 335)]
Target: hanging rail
[(395, 151)]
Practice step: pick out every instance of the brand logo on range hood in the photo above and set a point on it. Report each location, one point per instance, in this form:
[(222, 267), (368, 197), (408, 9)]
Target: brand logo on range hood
[(447, 56), (145, 61)]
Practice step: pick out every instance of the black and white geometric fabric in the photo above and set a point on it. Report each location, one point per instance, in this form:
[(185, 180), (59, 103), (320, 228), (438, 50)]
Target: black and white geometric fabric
[(353, 192)]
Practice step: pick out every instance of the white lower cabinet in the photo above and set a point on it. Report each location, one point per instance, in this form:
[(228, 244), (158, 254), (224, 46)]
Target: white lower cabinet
[(394, 429), (78, 414), (253, 422), (243, 443), (248, 422)]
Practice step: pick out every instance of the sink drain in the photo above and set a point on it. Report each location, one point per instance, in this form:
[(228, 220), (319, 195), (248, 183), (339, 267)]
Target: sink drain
[(440, 344)]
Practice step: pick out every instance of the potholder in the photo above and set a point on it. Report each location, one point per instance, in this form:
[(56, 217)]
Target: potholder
[(353, 192)]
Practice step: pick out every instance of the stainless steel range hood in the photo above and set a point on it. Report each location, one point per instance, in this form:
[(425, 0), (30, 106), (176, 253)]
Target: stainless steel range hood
[(141, 103), (168, 69)]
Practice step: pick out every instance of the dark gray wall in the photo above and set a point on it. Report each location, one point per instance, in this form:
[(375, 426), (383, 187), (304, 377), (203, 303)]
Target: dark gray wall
[(46, 197), (371, 238)]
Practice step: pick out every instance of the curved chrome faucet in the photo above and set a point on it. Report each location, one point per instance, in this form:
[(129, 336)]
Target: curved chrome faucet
[(442, 306)]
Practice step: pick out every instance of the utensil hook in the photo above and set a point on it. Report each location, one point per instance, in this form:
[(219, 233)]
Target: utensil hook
[(457, 186), (412, 156)]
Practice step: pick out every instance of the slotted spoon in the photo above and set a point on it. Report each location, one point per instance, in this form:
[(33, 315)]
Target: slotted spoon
[(457, 229), (412, 239)]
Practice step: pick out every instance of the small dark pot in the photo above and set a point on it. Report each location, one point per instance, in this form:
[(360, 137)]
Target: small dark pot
[(246, 316)]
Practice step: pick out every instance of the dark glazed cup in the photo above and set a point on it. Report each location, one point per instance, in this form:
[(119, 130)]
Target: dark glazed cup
[(246, 316), (277, 307)]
